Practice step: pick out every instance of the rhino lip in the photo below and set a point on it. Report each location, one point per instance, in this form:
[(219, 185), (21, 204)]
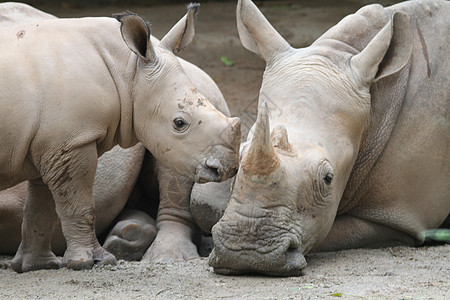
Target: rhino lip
[(207, 173), (294, 266)]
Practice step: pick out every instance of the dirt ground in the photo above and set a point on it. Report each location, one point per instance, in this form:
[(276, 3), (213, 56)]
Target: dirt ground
[(390, 273)]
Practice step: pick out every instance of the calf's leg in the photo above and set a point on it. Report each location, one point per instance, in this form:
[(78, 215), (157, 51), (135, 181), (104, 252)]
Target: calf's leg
[(175, 225), (39, 221), (70, 177)]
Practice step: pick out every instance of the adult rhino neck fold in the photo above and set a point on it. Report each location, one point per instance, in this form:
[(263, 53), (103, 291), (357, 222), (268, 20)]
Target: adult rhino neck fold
[(354, 33), (387, 97)]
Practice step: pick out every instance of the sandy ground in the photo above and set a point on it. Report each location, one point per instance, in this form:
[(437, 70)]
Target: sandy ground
[(391, 273)]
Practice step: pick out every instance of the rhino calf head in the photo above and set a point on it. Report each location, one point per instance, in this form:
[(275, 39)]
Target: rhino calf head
[(173, 120), (292, 176)]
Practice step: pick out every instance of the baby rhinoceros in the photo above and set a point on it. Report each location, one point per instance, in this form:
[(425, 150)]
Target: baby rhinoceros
[(351, 145), (71, 89)]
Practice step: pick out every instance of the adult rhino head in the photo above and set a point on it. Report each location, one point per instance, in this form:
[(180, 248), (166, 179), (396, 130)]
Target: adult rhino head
[(173, 120), (314, 107)]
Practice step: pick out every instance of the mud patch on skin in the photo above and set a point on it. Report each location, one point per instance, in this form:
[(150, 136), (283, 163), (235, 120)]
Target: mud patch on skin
[(264, 163), (200, 103)]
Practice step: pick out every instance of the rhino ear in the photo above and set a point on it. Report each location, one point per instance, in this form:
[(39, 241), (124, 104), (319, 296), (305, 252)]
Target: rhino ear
[(256, 33), (182, 33), (388, 52), (136, 34)]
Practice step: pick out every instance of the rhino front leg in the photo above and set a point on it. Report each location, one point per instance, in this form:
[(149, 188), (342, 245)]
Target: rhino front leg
[(349, 232), (175, 225), (132, 235), (70, 177), (39, 221)]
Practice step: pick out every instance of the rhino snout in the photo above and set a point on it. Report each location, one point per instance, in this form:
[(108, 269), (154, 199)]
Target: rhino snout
[(285, 260), (222, 159), (213, 169), (209, 171)]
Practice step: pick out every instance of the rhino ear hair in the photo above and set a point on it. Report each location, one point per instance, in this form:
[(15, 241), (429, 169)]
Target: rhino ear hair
[(182, 33), (388, 52), (256, 33), (136, 34)]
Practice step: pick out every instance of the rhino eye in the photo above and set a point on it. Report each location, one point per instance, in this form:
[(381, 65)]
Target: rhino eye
[(328, 178), (179, 124)]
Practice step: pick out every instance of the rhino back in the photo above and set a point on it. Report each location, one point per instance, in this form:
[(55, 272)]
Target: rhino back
[(56, 73), (12, 13)]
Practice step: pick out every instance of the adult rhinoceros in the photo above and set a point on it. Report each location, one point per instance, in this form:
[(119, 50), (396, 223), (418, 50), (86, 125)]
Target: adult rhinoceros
[(351, 145), (114, 87)]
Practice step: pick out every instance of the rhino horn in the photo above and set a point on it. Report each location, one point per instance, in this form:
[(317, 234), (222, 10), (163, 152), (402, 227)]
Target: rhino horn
[(182, 33), (256, 33), (261, 158)]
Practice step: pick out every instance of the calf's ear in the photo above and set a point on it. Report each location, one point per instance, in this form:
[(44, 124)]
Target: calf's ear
[(136, 34), (388, 52), (182, 33), (256, 33)]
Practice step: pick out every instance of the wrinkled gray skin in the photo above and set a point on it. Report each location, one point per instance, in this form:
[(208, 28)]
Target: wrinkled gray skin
[(83, 249), (351, 145)]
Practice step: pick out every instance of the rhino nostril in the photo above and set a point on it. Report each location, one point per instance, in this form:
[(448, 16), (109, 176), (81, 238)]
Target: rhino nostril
[(293, 243), (213, 165), (210, 170), (214, 171)]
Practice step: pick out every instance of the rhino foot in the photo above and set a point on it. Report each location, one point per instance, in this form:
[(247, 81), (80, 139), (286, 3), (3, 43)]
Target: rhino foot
[(81, 259), (172, 243), (32, 262), (129, 239)]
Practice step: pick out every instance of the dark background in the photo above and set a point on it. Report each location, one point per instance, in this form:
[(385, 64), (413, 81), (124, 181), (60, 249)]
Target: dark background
[(122, 3)]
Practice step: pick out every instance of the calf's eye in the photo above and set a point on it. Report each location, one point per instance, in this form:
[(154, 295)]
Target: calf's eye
[(179, 123)]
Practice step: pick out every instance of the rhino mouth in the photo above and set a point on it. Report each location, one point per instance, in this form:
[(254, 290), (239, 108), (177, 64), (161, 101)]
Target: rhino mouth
[(293, 265), (210, 170), (213, 170), (207, 174)]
